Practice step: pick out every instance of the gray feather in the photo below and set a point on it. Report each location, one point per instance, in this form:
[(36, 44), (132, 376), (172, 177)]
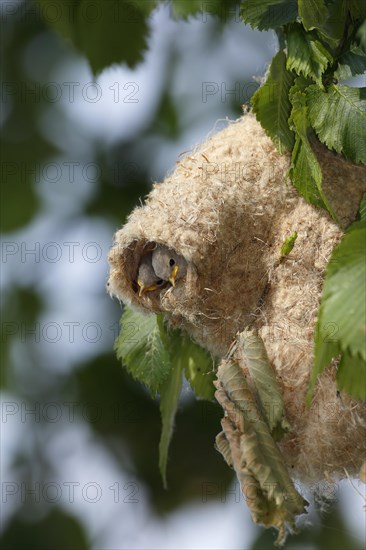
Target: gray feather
[(164, 260)]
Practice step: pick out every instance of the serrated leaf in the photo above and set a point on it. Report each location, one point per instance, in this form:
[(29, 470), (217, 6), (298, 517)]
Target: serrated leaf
[(306, 54), (351, 63), (305, 171), (118, 35), (344, 294), (265, 382), (106, 32), (141, 349), (343, 307), (338, 115), (223, 446), (255, 456), (169, 398), (351, 375), (271, 103), (313, 13), (332, 30), (268, 14)]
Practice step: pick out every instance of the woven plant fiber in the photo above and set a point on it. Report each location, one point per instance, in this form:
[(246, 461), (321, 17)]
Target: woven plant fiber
[(227, 208)]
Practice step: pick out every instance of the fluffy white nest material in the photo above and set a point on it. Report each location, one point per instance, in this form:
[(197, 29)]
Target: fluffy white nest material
[(227, 208)]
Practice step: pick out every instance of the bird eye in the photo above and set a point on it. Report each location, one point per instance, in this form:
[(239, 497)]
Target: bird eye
[(171, 262), (159, 282)]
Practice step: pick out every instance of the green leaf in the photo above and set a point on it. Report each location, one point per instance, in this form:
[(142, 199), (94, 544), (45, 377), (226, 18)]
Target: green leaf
[(204, 9), (268, 14), (199, 370), (361, 35), (65, 22), (305, 54), (197, 362), (313, 13), (157, 356), (343, 310), (351, 63), (332, 30), (326, 349), (119, 34), (169, 398), (185, 8), (351, 375), (288, 245), (357, 8), (344, 295), (187, 356), (145, 6), (305, 171), (271, 103), (140, 347), (106, 32), (338, 115), (264, 379)]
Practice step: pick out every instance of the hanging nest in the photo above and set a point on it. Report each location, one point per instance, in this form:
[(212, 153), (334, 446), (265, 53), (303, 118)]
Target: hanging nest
[(227, 209)]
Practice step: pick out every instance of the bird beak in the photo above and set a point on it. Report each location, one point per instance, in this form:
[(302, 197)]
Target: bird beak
[(143, 288), (173, 275)]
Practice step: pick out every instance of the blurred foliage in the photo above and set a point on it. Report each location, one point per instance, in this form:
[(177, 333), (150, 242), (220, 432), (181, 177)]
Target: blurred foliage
[(23, 148), (34, 48), (121, 171), (60, 528), (157, 355), (106, 32), (21, 307), (128, 410)]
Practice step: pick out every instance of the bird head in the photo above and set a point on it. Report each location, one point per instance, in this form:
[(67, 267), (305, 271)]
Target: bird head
[(168, 265), (147, 279)]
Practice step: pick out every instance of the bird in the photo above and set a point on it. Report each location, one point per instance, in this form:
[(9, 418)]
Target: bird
[(168, 265), (147, 279)]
